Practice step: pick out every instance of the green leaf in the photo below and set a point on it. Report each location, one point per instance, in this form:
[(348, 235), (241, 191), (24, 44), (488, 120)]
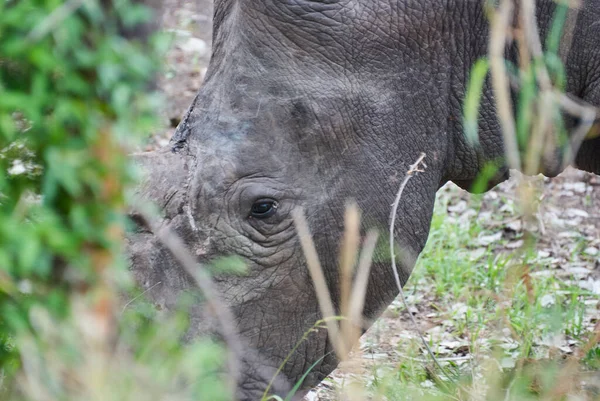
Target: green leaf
[(557, 71), (473, 100), (527, 96), (29, 251), (556, 31), (301, 380)]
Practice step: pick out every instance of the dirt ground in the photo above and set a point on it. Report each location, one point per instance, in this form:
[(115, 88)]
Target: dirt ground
[(568, 220), (189, 24), (569, 211)]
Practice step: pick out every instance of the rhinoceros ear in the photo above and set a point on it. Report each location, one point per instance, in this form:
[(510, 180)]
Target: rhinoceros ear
[(164, 180)]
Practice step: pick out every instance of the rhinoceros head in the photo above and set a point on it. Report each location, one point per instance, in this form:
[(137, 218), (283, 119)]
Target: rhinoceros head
[(305, 104)]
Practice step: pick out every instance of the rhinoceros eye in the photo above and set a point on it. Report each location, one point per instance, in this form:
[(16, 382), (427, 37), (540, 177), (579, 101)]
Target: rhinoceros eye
[(263, 208)]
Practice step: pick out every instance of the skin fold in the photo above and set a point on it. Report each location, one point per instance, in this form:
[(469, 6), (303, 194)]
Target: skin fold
[(308, 104)]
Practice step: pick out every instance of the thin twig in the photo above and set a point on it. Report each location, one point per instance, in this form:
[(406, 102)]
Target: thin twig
[(413, 169), (587, 115), (575, 106), (139, 296), (318, 278)]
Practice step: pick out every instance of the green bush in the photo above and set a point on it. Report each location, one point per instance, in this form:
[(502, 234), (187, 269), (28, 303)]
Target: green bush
[(74, 97)]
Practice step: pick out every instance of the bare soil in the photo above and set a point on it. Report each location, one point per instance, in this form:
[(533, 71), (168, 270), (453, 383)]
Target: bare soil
[(568, 225), (189, 25)]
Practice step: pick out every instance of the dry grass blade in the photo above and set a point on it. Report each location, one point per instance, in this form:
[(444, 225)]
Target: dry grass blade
[(359, 289), (318, 278), (542, 138), (569, 30), (500, 26), (542, 142), (348, 254), (222, 313), (576, 107), (532, 36), (586, 113)]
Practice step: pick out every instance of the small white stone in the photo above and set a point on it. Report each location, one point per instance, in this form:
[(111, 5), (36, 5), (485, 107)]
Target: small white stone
[(508, 363), (515, 244), (577, 270), (427, 384), (543, 254), (194, 45), (547, 300), (579, 187), (515, 225), (458, 208), (477, 254), (565, 349), (311, 396), (17, 168), (577, 213), (25, 287), (489, 239)]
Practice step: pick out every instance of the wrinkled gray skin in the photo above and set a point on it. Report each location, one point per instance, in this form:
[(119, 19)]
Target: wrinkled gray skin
[(311, 103)]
